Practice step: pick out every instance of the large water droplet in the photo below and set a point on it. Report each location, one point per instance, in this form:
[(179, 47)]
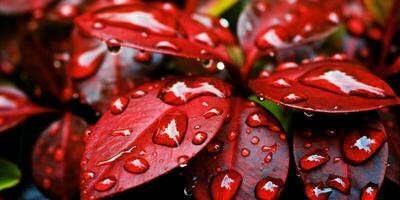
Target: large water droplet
[(268, 188), (317, 191), (225, 184), (212, 112), (136, 165), (171, 129), (105, 184)]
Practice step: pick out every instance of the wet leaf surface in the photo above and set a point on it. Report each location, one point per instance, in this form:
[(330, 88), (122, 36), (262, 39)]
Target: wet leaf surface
[(152, 133), (338, 177), (248, 159)]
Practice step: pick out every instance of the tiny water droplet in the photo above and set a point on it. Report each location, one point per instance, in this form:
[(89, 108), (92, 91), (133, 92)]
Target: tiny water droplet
[(183, 160), (245, 152), (199, 138), (114, 46)]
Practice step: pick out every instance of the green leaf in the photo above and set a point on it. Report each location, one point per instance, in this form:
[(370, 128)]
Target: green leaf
[(217, 7), (10, 175), (283, 115)]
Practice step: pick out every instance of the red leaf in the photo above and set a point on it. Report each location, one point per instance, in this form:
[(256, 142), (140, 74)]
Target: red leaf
[(266, 26), (135, 137), (181, 34), (393, 134), (15, 107), (327, 85), (21, 6), (56, 157), (100, 75), (257, 152), (338, 176)]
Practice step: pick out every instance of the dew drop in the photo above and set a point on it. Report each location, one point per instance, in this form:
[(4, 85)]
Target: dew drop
[(215, 146), (268, 157), (119, 105), (138, 93), (105, 184), (292, 98), (255, 140), (199, 138), (167, 46), (136, 165), (225, 184), (245, 152), (171, 129), (232, 135), (114, 46), (183, 161)]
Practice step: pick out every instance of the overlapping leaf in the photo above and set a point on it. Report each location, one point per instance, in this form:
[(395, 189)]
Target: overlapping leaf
[(325, 150), (145, 27), (328, 85), (15, 107), (100, 75), (150, 133), (57, 155), (253, 145)]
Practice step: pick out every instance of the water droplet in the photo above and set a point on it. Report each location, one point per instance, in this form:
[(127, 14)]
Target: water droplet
[(336, 159), (266, 73), (268, 157), (171, 129), (232, 135), (138, 93), (359, 146), (225, 184), (143, 57), (307, 145), (119, 105), (207, 38), (199, 138), (167, 46), (308, 113), (245, 152), (340, 183), (280, 83), (286, 65), (212, 112), (355, 26), (183, 161), (333, 18), (273, 37), (215, 146), (313, 159), (59, 155), (369, 191), (181, 91), (197, 127), (136, 165), (88, 175), (98, 25), (268, 188), (105, 184), (255, 140), (292, 98), (125, 132), (114, 46), (271, 148), (317, 191), (46, 183), (116, 156)]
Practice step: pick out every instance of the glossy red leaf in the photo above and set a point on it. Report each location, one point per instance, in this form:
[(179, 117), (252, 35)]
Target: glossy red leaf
[(266, 26), (56, 157), (339, 177), (326, 85), (181, 34), (100, 75), (258, 153), (393, 134), (21, 6), (157, 136), (15, 107)]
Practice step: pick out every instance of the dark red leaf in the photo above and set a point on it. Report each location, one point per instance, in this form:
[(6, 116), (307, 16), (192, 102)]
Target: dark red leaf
[(15, 107), (266, 26), (338, 177), (21, 6), (257, 152), (182, 34), (326, 85), (100, 75), (393, 134), (152, 136), (57, 155)]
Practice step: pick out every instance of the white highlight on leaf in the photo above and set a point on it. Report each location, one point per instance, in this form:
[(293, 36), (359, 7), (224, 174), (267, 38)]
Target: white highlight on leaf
[(318, 191), (369, 190), (269, 186), (226, 182), (364, 143), (315, 158), (180, 90), (172, 131), (112, 159)]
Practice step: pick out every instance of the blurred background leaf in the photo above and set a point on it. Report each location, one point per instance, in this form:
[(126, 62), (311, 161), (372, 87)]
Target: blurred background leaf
[(10, 175)]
